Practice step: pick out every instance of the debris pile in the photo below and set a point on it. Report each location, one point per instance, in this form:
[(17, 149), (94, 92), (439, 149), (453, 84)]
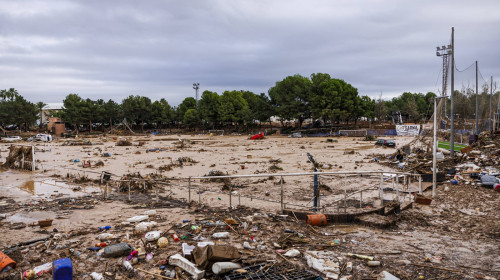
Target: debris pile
[(123, 142), (20, 157)]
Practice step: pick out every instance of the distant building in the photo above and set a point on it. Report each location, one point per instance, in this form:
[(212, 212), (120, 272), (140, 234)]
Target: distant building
[(49, 110), (56, 126)]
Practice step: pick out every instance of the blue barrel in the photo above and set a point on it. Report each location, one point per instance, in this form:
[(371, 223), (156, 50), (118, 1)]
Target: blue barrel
[(62, 269)]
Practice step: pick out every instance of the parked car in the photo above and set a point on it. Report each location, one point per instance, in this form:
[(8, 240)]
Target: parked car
[(43, 137), (386, 142), (12, 138)]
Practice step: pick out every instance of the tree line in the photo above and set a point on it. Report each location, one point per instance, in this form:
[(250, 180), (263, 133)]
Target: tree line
[(295, 98)]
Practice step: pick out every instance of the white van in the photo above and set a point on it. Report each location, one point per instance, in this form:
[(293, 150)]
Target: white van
[(43, 137)]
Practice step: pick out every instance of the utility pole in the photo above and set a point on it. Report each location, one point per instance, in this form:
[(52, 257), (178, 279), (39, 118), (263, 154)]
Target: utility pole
[(452, 128), (477, 105), (434, 146), (196, 87)]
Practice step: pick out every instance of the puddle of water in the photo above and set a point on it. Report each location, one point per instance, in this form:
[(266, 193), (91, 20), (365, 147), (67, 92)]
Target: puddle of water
[(48, 188), (29, 217)]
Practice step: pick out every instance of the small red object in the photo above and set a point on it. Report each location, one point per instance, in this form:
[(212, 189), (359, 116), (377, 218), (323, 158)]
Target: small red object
[(176, 238), (102, 245)]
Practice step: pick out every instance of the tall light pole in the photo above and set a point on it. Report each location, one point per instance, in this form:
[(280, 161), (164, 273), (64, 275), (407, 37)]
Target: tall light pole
[(196, 87), (434, 147), (452, 128), (477, 104), (445, 52), (491, 99)]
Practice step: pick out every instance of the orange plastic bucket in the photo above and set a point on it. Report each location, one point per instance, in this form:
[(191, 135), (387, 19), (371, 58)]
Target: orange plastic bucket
[(6, 261), (316, 220)]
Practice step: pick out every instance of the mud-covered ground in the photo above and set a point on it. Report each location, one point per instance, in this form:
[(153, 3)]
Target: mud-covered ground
[(456, 237)]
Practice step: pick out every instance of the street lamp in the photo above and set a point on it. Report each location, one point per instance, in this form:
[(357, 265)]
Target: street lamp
[(434, 147)]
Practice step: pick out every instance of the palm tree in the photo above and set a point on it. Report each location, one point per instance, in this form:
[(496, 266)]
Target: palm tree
[(8, 94), (39, 105)]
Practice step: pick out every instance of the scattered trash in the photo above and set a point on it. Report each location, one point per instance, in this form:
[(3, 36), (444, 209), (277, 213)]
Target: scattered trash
[(224, 267), (220, 235), (96, 276), (6, 261), (162, 242), (384, 275), (187, 266), (153, 235), (62, 269), (117, 250), (316, 220), (138, 218), (292, 253)]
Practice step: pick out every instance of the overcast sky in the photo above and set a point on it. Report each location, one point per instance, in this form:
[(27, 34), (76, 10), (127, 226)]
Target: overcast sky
[(112, 49)]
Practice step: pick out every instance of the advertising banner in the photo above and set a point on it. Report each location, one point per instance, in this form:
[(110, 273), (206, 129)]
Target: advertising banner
[(408, 130)]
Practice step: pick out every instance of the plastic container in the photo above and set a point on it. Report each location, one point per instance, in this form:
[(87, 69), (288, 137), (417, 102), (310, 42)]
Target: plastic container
[(153, 235), (220, 235), (62, 269), (117, 250), (187, 249), (186, 265), (224, 267), (144, 226), (316, 220), (6, 261)]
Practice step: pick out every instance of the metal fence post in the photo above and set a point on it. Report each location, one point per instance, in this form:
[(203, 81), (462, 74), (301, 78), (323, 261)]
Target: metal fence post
[(33, 162), (420, 184), (345, 193), (381, 189), (281, 185), (189, 189)]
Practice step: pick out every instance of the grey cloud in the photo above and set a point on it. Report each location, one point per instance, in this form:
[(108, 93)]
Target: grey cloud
[(159, 48)]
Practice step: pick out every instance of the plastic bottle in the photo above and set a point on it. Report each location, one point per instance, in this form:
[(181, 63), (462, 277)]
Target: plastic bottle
[(43, 269), (219, 235), (117, 250), (223, 267), (175, 237), (128, 265)]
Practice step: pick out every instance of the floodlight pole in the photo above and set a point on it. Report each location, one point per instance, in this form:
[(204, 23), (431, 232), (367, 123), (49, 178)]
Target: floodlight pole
[(196, 87), (452, 128), (491, 99), (477, 104), (434, 147)]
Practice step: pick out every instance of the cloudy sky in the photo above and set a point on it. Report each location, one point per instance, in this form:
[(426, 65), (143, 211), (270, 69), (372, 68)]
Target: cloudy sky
[(112, 49)]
